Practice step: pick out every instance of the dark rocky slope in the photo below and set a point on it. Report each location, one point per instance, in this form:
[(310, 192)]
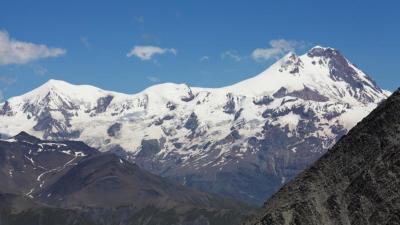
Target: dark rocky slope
[(357, 182), (68, 183), (28, 164), (20, 210)]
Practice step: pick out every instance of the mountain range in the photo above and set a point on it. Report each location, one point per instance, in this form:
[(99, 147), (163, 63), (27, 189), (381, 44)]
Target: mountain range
[(356, 182), (242, 141), (68, 182)]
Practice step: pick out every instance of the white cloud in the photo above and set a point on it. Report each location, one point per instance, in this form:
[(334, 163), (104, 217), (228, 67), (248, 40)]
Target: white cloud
[(19, 52), (231, 55), (204, 58), (277, 48), (147, 52), (153, 79)]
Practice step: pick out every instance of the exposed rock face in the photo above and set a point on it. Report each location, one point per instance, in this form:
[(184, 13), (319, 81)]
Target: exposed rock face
[(229, 107), (357, 182), (192, 122), (264, 100), (103, 103), (188, 95), (149, 148), (114, 129), (261, 131), (306, 94), (6, 109), (67, 183), (309, 94)]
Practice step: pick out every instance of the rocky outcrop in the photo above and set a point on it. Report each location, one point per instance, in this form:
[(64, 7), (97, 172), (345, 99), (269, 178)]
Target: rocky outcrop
[(192, 122), (103, 103), (357, 182), (114, 129), (6, 109), (229, 106), (264, 100), (306, 94)]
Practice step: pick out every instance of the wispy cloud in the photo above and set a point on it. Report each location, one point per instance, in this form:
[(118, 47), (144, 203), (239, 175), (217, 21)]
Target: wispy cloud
[(153, 79), (85, 42), (147, 52), (18, 52), (277, 48), (231, 54), (204, 58)]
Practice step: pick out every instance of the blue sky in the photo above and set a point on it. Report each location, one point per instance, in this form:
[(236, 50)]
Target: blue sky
[(202, 43)]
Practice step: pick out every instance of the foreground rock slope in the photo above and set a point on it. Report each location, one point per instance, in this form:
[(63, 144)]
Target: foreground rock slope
[(357, 182)]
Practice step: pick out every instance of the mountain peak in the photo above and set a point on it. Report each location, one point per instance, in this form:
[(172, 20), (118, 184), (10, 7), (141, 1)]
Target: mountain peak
[(319, 68), (341, 69), (290, 56), (53, 84), (326, 52), (24, 136), (58, 90), (320, 47)]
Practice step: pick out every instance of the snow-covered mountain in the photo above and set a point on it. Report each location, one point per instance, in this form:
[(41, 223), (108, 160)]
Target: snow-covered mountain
[(242, 141)]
